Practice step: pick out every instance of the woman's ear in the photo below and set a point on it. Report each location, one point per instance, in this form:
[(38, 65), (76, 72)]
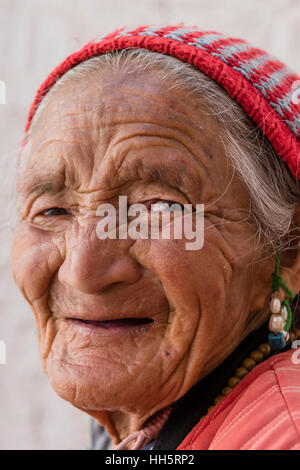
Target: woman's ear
[(290, 256)]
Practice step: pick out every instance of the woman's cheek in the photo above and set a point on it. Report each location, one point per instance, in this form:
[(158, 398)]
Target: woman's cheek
[(36, 255)]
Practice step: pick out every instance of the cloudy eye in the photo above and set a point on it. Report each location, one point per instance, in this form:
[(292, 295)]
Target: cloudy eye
[(164, 205), (54, 211)]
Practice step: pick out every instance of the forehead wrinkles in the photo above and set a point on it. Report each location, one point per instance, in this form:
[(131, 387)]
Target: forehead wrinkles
[(110, 111), (126, 95), (97, 118)]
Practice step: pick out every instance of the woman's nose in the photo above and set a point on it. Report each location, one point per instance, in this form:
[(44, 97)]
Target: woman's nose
[(92, 265)]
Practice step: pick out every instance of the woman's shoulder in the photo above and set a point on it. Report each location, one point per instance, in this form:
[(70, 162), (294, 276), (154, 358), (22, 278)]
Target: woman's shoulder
[(262, 412)]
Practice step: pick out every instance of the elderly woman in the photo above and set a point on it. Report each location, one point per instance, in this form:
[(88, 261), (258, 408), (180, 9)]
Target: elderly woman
[(164, 346)]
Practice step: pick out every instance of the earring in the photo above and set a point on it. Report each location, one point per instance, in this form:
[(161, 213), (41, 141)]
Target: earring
[(281, 314)]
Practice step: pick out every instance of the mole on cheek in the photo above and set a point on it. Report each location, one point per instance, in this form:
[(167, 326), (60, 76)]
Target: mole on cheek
[(220, 212)]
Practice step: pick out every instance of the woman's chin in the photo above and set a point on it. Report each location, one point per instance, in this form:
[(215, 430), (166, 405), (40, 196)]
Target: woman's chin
[(98, 387)]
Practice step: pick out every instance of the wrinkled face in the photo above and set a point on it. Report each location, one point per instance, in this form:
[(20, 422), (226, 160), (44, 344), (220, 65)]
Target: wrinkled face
[(131, 324)]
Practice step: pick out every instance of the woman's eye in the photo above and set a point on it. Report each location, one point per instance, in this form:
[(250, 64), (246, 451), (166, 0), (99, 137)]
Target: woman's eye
[(54, 211), (162, 204)]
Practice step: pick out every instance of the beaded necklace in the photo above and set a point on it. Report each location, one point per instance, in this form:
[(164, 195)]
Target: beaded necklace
[(258, 355)]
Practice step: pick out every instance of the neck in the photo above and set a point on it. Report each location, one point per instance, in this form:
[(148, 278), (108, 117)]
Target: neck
[(119, 425), (125, 424), (122, 426)]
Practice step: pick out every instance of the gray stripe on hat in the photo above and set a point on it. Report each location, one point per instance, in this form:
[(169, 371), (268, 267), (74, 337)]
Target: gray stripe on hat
[(206, 40), (229, 51), (275, 78), (149, 31)]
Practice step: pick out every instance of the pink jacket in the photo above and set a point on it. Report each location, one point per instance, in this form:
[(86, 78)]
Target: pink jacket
[(261, 412)]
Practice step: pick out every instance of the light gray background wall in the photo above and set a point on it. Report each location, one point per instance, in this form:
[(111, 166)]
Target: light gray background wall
[(35, 35)]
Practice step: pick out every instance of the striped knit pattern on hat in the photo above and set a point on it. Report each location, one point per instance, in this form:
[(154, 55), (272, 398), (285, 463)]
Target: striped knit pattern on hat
[(265, 88)]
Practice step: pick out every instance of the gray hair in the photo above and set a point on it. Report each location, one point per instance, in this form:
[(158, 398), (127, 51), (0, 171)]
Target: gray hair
[(274, 193)]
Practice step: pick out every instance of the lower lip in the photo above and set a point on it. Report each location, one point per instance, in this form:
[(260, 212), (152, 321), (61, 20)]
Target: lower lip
[(109, 327)]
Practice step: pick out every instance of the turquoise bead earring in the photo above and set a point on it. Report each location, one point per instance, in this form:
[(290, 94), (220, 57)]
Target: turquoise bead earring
[(281, 314)]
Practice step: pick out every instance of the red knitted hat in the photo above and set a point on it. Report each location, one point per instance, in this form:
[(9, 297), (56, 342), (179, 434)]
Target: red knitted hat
[(266, 89)]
